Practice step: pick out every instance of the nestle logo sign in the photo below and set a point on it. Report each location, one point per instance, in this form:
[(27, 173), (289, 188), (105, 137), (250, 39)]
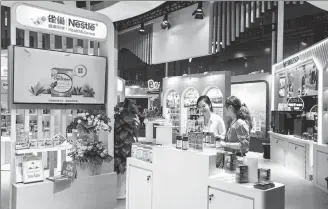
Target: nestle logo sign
[(81, 24)]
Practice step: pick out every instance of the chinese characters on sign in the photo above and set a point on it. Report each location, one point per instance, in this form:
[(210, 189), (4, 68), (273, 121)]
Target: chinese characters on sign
[(68, 170), (38, 18)]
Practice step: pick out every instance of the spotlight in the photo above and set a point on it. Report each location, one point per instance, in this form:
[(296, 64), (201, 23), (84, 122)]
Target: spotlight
[(142, 28), (165, 24), (199, 13)]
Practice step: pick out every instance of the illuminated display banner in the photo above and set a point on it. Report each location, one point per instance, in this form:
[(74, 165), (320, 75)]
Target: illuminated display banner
[(55, 22), (153, 85), (296, 103), (52, 77)]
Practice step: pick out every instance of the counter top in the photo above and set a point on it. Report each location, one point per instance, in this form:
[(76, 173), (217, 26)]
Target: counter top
[(227, 181), (292, 138)]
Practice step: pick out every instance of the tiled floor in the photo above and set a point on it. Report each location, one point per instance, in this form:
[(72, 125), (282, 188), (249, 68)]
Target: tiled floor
[(300, 194)]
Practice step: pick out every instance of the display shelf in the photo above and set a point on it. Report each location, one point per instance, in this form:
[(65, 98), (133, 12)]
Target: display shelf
[(50, 149)]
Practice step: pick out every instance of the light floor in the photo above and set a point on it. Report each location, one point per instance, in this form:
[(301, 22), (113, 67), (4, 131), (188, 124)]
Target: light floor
[(300, 194)]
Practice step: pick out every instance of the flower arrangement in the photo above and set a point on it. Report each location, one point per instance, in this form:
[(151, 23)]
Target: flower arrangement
[(87, 148), (94, 152)]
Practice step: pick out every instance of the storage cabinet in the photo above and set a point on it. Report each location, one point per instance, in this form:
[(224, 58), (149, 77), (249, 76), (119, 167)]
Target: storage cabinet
[(322, 168), (295, 159), (277, 150), (139, 194), (220, 199)]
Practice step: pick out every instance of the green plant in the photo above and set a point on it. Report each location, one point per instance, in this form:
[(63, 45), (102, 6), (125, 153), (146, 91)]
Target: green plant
[(47, 91), (125, 131), (37, 89), (88, 91), (77, 90)]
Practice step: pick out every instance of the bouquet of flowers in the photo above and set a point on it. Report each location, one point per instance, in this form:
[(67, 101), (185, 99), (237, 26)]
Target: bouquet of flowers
[(94, 152), (87, 148)]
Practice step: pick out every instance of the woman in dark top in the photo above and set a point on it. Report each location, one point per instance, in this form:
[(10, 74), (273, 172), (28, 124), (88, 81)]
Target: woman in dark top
[(239, 126)]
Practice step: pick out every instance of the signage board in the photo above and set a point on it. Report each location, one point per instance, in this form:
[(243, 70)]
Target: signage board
[(296, 103), (69, 170), (47, 21), (52, 77), (291, 61), (153, 85)]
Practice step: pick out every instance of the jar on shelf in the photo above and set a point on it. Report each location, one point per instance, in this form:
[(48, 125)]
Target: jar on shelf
[(134, 150), (185, 143), (146, 151), (140, 152), (178, 142)]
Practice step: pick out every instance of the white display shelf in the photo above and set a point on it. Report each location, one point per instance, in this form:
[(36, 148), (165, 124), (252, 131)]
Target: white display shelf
[(8, 114), (50, 149)]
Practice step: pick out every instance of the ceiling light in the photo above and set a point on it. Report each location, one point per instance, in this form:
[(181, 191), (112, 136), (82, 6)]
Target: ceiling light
[(199, 13), (190, 59), (165, 24), (142, 28), (267, 50), (303, 43)]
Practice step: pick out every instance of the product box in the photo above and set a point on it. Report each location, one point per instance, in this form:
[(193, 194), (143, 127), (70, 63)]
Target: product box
[(230, 161), (49, 143), (220, 160), (264, 174), (33, 144), (41, 144), (242, 174), (32, 169)]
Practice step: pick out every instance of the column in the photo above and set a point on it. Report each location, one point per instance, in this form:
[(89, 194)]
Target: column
[(166, 69), (274, 45), (280, 31)]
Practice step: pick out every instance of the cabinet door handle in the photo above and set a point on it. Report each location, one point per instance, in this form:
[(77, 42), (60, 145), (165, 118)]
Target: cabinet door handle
[(295, 147), (210, 197), (148, 178)]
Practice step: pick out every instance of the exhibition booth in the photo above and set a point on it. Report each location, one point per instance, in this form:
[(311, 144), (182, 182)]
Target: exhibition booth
[(57, 109)]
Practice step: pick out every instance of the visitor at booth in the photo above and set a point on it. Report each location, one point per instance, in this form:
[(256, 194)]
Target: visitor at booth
[(239, 126), (212, 122)]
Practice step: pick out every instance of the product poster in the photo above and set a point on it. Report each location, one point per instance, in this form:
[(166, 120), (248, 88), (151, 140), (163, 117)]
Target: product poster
[(308, 78), (282, 85), (216, 97), (254, 95), (190, 98), (51, 77), (290, 83), (173, 100)]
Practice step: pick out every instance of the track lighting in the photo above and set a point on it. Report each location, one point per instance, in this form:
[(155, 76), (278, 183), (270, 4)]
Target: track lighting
[(165, 24), (142, 28), (199, 13)]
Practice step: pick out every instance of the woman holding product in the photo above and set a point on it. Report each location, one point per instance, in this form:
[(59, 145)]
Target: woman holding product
[(212, 122), (240, 124)]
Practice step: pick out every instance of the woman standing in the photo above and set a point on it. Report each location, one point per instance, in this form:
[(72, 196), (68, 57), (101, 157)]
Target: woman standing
[(240, 124), (212, 122)]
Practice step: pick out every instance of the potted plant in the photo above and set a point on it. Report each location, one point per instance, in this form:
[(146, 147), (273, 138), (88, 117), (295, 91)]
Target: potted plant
[(125, 133), (89, 152)]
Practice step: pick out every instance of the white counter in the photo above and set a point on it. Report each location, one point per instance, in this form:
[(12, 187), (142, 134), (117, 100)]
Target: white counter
[(294, 153), (187, 180)]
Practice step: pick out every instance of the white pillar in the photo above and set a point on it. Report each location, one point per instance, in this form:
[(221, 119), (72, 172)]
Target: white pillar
[(167, 69), (280, 31)]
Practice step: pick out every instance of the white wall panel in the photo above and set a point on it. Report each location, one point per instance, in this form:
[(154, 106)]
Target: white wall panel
[(187, 37)]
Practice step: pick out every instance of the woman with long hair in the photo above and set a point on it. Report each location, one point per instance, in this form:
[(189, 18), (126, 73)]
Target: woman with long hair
[(239, 127), (212, 122)]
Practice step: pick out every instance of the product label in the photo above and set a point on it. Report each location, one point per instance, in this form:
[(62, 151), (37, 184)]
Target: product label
[(63, 83), (179, 144), (185, 145)]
